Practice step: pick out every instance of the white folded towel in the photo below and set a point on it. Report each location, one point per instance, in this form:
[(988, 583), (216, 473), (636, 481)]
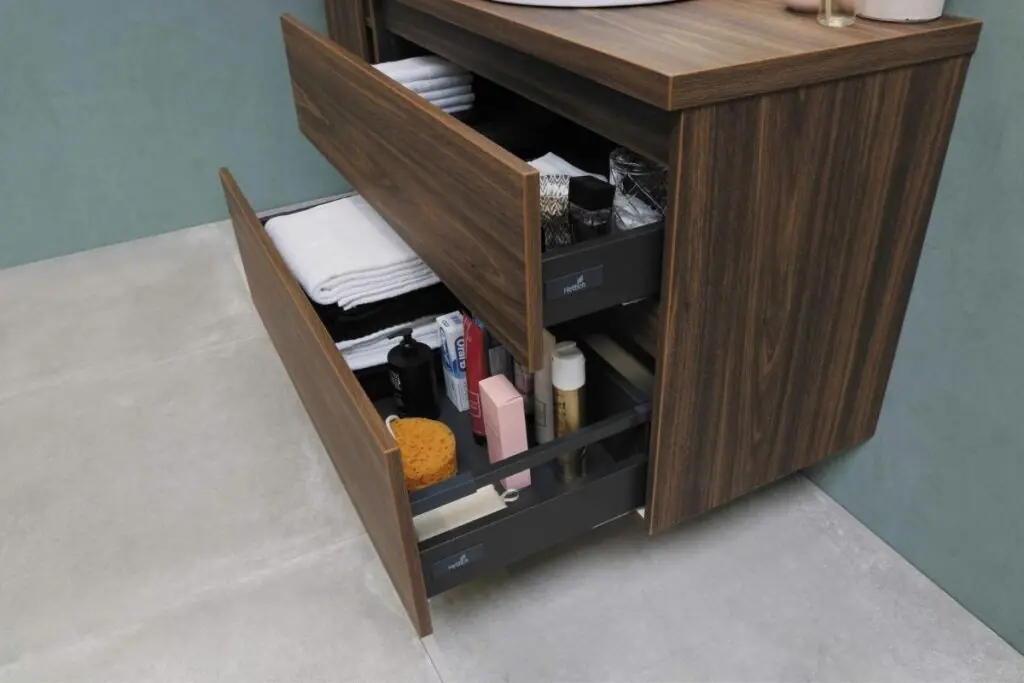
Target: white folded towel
[(443, 93), (382, 335), (431, 84), (484, 502), (456, 101), (552, 164), (379, 289), (358, 360), (344, 250), (373, 349), (457, 109), (419, 68)]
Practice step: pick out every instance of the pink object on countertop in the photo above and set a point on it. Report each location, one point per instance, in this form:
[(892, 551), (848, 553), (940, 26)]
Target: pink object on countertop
[(505, 424), (803, 6)]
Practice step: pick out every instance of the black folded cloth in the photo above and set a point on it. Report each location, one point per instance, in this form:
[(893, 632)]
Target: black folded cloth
[(369, 318)]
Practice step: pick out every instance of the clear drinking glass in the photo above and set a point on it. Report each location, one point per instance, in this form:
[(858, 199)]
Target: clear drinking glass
[(837, 13)]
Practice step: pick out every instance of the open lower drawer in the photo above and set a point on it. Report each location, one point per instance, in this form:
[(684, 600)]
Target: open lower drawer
[(423, 550), (468, 206), (463, 526)]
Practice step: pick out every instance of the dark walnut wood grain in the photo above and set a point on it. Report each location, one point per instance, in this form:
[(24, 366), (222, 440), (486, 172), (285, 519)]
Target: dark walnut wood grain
[(468, 207), (791, 246), (362, 450), (697, 52), (347, 22), (618, 117)]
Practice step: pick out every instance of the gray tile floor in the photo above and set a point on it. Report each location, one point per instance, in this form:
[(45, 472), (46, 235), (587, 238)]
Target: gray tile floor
[(167, 514)]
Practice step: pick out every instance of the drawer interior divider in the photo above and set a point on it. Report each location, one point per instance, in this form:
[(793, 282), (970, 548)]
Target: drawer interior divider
[(466, 483)]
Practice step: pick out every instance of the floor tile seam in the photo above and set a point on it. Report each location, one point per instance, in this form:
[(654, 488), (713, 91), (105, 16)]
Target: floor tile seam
[(430, 658)]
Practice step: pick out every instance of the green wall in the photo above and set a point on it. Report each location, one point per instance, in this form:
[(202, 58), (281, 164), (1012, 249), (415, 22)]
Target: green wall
[(942, 481), (116, 114)]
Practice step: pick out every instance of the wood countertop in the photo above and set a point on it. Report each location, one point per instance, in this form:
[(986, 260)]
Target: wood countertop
[(696, 52)]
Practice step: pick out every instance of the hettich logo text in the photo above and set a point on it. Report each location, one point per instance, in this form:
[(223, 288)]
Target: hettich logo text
[(578, 286)]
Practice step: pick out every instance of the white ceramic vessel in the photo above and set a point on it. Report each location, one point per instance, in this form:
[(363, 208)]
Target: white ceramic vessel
[(901, 10), (583, 4)]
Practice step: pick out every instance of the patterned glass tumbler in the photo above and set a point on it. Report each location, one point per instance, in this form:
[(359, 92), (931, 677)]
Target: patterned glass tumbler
[(641, 189)]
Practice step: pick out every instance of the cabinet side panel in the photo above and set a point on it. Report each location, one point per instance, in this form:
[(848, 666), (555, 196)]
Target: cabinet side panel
[(797, 227)]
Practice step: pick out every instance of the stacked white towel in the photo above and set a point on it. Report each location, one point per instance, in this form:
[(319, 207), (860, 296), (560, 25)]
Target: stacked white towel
[(373, 349), (343, 252), (552, 164), (435, 79)]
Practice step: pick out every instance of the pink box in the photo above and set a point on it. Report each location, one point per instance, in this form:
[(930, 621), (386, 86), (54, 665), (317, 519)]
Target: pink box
[(505, 425)]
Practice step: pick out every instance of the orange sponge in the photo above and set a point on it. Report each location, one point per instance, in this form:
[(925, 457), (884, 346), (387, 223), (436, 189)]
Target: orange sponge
[(428, 450)]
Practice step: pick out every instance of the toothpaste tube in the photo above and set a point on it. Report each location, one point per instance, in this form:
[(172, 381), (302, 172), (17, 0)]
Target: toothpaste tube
[(453, 356)]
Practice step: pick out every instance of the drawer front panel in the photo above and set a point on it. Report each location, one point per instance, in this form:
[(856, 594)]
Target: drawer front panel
[(491, 544), (362, 450), (468, 207)]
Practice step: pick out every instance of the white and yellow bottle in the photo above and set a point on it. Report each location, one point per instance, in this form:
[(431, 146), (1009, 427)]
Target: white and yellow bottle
[(568, 380)]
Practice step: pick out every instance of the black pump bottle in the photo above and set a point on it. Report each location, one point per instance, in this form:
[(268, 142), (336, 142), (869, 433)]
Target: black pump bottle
[(413, 375)]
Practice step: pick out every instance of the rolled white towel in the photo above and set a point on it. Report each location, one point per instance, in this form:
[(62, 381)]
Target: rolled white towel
[(444, 93), (419, 68), (456, 101), (457, 109), (431, 84), (335, 249)]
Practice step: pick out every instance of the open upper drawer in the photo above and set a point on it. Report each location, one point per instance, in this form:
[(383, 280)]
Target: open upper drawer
[(466, 205)]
